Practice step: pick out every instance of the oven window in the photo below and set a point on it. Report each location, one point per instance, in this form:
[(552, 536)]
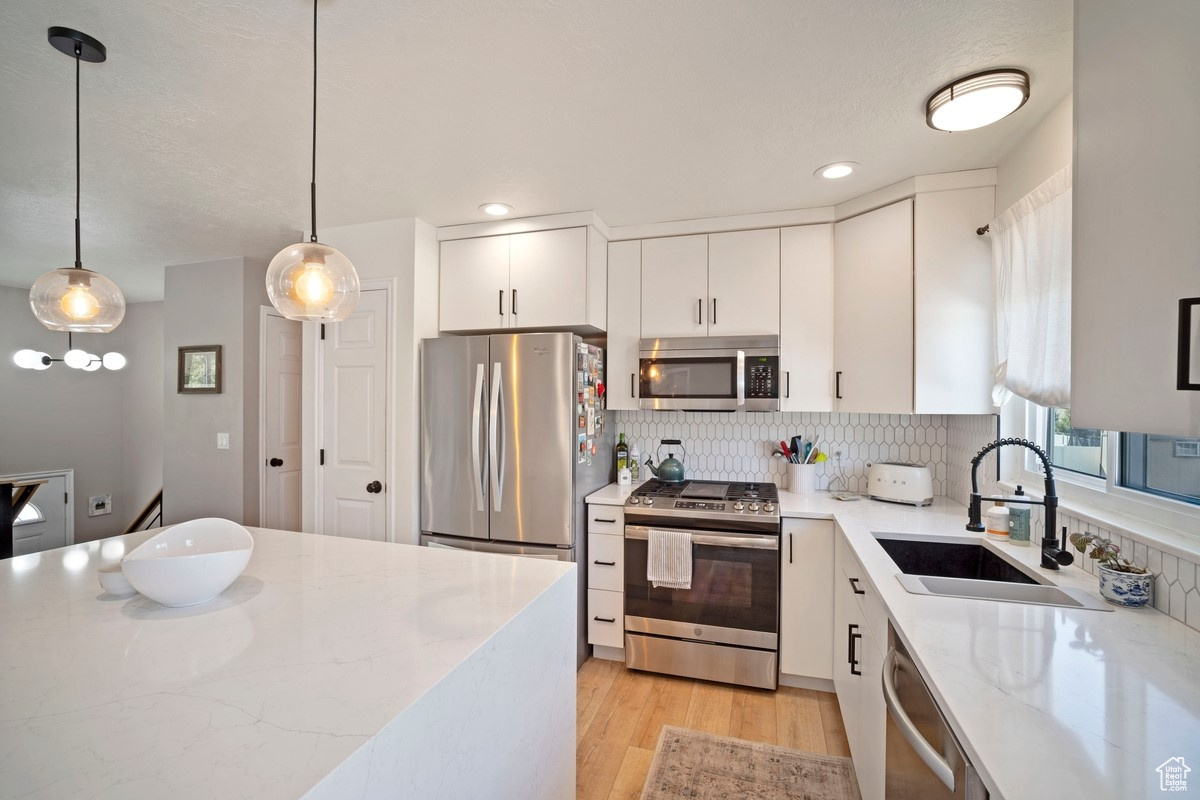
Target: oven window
[(692, 377), (732, 587)]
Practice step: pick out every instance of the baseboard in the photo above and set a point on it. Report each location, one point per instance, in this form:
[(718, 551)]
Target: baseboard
[(611, 653), (802, 682)]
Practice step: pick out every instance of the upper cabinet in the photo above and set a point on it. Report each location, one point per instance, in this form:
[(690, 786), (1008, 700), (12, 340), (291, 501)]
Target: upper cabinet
[(806, 318), (624, 324), (724, 284), (552, 279), (1136, 206), (873, 311)]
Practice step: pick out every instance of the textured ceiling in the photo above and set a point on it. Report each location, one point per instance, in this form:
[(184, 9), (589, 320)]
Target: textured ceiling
[(195, 131)]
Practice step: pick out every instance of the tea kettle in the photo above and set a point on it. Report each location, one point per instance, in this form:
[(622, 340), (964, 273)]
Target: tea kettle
[(669, 469)]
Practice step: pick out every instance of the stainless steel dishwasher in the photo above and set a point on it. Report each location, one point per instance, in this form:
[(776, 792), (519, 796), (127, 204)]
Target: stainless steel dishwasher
[(924, 759)]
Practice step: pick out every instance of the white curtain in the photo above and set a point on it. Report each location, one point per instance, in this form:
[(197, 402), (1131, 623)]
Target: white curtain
[(1031, 264)]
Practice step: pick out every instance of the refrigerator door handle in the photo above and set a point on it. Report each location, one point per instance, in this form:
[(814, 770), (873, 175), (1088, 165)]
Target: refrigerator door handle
[(495, 467), (476, 454)]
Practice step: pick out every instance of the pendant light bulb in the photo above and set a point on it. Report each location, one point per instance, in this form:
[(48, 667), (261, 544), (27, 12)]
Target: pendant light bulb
[(311, 281), (78, 304)]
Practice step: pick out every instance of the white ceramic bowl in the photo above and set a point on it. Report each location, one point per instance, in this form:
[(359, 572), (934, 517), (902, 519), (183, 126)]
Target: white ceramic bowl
[(189, 563), (113, 581)]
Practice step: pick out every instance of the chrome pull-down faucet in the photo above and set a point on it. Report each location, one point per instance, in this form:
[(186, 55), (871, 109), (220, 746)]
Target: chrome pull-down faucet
[(1054, 552)]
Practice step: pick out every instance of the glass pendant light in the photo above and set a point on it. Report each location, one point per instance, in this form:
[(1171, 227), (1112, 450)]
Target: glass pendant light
[(75, 299), (310, 280)]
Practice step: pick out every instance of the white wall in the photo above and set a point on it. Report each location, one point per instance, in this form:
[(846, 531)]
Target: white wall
[(1044, 151), (209, 303), (403, 252), (63, 418)]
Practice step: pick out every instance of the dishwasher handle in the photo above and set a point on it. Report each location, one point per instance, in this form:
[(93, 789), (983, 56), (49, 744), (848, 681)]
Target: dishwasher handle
[(924, 750)]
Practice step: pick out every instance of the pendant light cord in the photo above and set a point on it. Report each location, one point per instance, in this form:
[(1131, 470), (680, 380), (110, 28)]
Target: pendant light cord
[(78, 53), (313, 185)]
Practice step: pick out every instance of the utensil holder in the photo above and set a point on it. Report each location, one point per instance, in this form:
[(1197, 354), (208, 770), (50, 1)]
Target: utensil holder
[(802, 478)]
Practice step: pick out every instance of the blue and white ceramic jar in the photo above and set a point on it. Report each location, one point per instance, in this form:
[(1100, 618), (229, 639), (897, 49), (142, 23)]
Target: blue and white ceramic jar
[(1125, 588)]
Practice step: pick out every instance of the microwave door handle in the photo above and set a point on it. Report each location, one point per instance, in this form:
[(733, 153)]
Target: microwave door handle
[(741, 378), (495, 466), (927, 752), (477, 478)]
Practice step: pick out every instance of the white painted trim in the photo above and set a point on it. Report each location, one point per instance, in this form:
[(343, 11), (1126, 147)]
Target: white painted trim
[(500, 227), (389, 287), (740, 222), (942, 182), (609, 653), (802, 682), (68, 476)]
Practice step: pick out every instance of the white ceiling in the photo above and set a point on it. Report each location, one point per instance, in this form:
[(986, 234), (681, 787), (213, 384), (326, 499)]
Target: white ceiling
[(196, 130)]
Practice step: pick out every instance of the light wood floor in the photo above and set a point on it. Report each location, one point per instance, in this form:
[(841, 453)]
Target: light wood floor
[(620, 714)]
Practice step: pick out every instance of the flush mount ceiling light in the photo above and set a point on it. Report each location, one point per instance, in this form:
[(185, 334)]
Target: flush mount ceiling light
[(310, 280), (977, 100), (74, 298), (838, 169), (496, 209)]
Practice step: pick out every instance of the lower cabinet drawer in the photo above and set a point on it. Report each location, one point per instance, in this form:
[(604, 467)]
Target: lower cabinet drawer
[(606, 618), (606, 519), (606, 562)]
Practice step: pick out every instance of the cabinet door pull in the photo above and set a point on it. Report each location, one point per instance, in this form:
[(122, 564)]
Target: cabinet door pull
[(514, 302), (700, 311), (605, 563), (791, 548), (605, 619), (714, 311), (631, 390), (597, 519), (502, 302), (837, 384), (787, 393), (852, 654), (854, 586)]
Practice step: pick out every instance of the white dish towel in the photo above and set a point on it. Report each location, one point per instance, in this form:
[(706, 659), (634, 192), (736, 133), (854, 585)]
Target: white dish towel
[(669, 559)]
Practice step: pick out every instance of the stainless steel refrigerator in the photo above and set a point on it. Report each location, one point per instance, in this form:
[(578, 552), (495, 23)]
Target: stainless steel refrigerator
[(513, 437)]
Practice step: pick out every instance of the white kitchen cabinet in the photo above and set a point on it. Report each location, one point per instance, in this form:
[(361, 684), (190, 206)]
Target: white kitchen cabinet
[(743, 283), (870, 760), (806, 318), (606, 580), (873, 311), (848, 629), (551, 279), (606, 562), (474, 284), (675, 287), (606, 618), (1135, 207), (952, 300), (624, 324), (806, 599)]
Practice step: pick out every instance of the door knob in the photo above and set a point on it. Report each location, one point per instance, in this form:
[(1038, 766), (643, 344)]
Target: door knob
[(374, 487), (276, 462)]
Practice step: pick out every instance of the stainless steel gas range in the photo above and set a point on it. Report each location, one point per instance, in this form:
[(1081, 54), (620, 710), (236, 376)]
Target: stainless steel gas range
[(726, 626)]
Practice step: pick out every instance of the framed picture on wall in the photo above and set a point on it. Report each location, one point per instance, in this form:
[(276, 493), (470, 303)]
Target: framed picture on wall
[(200, 369), (1189, 345)]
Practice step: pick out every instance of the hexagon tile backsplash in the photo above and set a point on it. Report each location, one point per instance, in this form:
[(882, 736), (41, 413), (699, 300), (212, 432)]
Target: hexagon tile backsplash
[(739, 446)]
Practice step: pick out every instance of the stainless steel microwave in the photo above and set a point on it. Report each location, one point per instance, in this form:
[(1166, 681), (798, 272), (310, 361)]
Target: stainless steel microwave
[(704, 373)]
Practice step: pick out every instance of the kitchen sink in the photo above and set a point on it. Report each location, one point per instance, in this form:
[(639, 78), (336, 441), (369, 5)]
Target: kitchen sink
[(958, 566)]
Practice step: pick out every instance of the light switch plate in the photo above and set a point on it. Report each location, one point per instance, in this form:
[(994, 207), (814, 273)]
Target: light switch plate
[(222, 441)]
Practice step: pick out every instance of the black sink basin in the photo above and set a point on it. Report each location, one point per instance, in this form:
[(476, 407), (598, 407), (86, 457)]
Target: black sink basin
[(951, 560)]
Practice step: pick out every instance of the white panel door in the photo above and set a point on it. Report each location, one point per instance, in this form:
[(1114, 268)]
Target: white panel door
[(282, 366), (624, 324), (873, 311), (47, 525), (953, 331), (354, 422), (675, 287), (806, 318), (806, 599), (474, 285), (548, 278), (743, 283)]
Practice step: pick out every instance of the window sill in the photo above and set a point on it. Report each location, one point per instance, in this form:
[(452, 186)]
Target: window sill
[(1173, 541)]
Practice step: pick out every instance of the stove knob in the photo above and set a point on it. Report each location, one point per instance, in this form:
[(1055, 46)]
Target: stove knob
[(739, 506), (649, 501), (633, 501), (754, 506), (769, 508)]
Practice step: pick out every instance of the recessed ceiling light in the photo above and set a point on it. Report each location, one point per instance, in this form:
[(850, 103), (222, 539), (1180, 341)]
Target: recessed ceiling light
[(839, 169), (977, 100), (496, 209)]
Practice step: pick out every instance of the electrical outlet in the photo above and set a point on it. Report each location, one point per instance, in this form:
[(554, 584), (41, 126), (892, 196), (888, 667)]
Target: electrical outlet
[(222, 441), (837, 457)]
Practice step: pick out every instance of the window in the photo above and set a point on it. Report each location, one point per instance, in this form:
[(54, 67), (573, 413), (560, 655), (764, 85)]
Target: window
[(1082, 450), (29, 515), (1163, 465)]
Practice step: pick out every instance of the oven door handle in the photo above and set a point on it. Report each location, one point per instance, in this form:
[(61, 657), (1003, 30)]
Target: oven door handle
[(742, 541), (904, 724)]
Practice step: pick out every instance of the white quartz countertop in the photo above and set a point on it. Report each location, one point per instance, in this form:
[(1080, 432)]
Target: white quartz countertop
[(1048, 702), (261, 693)]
